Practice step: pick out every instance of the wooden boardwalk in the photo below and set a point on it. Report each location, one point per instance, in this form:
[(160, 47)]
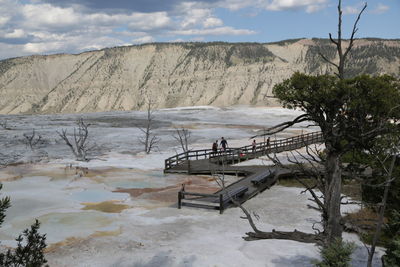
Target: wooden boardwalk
[(255, 179)]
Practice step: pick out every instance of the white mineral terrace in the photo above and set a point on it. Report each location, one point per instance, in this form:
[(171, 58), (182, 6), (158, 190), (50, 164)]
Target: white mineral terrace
[(119, 209)]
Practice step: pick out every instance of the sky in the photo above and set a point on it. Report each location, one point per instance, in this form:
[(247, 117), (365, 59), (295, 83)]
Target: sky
[(30, 27)]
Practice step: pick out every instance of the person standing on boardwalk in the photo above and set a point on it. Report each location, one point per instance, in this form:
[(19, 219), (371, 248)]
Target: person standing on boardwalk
[(253, 146), (215, 147), (223, 144), (268, 142)]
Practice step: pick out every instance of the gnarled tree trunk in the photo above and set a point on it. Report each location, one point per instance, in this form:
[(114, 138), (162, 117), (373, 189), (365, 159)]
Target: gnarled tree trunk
[(333, 187)]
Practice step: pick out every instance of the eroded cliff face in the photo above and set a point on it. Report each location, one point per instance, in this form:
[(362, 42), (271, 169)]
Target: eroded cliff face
[(182, 74)]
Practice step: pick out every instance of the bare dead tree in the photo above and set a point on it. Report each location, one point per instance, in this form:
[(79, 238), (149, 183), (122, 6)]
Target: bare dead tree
[(338, 42), (32, 139), (79, 143), (388, 172), (220, 180), (310, 166), (182, 135), (258, 234), (333, 120), (149, 139)]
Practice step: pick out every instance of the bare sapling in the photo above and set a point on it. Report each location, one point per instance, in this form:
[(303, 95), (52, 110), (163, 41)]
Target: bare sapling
[(182, 135), (149, 140), (32, 139), (384, 161), (78, 143)]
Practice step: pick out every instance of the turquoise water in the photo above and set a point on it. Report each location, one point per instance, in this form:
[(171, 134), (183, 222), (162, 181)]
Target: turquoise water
[(93, 195), (151, 179), (133, 184)]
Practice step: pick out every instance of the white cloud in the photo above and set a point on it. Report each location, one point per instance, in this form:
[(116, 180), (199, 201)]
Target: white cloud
[(149, 21), (17, 33), (46, 15), (42, 28), (129, 33), (144, 39), (314, 8), (350, 10), (11, 50), (308, 5), (4, 20), (179, 40), (215, 31), (45, 42), (192, 15), (380, 9), (94, 42), (239, 4), (212, 22), (38, 48)]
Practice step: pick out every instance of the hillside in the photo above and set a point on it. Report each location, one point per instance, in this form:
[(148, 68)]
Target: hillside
[(175, 74)]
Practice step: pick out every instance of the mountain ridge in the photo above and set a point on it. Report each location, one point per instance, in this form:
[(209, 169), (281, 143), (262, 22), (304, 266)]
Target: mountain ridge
[(176, 74)]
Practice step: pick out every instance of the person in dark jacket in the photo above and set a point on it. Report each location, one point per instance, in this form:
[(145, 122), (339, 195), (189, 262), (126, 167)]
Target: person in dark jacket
[(215, 147), (223, 144)]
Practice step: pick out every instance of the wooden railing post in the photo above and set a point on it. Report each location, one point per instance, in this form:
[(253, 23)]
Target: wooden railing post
[(221, 204), (188, 162), (180, 199)]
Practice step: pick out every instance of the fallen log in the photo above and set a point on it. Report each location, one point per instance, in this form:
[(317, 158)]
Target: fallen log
[(295, 236)]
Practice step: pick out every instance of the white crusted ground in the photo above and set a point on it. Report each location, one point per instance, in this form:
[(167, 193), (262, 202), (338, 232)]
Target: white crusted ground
[(150, 231)]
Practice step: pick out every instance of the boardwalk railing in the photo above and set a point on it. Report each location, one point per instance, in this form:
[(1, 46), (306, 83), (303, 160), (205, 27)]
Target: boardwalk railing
[(218, 200), (182, 196), (245, 152)]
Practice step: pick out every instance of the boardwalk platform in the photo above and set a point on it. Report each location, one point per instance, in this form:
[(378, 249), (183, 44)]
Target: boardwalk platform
[(254, 179)]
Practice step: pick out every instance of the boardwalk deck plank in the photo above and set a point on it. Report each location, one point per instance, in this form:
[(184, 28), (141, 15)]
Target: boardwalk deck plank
[(223, 163)]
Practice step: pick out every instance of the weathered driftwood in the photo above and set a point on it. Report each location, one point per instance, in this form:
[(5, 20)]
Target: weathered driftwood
[(295, 236)]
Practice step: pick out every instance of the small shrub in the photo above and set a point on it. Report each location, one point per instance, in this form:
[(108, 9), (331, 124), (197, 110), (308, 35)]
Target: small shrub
[(392, 256), (31, 244), (29, 252), (337, 254)]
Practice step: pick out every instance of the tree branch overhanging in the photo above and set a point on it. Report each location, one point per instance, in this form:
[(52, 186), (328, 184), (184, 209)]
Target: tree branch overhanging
[(282, 126)]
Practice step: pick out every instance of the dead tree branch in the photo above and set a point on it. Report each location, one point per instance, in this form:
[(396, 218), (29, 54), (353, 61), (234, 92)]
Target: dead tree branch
[(282, 126), (79, 144), (149, 140), (32, 140), (182, 135), (257, 234), (338, 43)]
